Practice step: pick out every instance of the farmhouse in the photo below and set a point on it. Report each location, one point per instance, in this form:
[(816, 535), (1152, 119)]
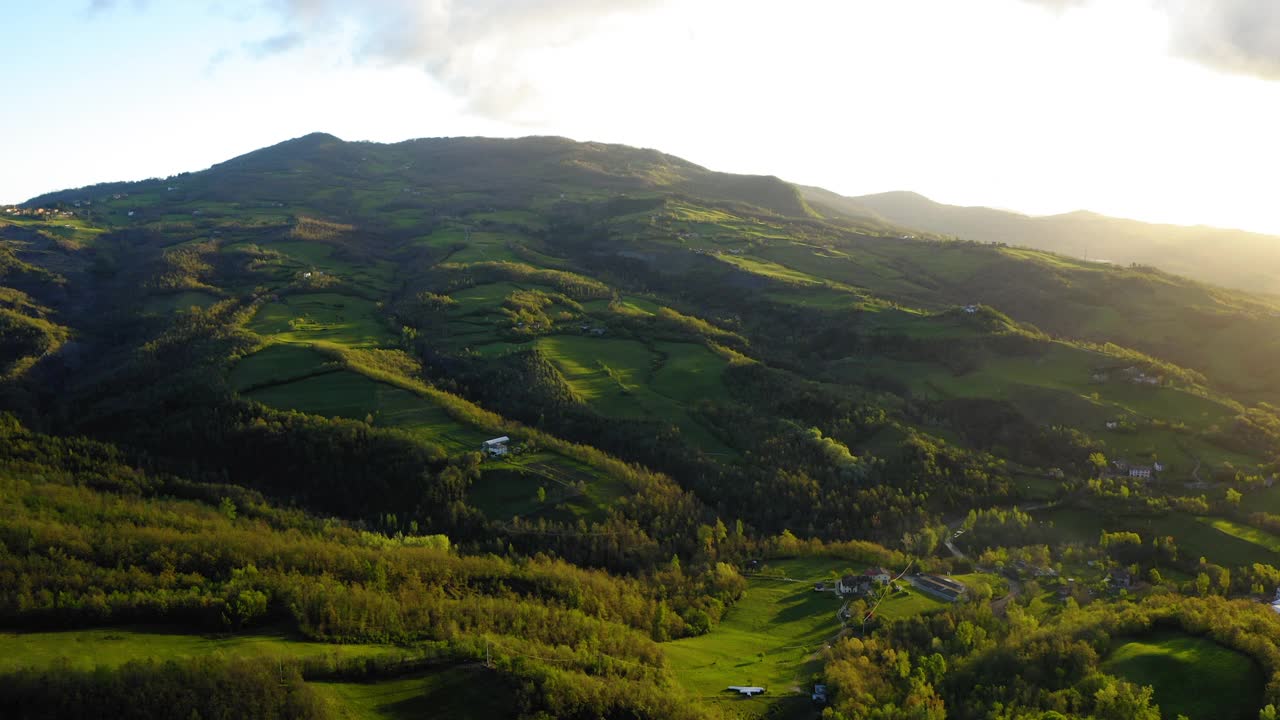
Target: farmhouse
[(1140, 471), (879, 575), (941, 587), (970, 309), (496, 447), (859, 584), (819, 693), (853, 584)]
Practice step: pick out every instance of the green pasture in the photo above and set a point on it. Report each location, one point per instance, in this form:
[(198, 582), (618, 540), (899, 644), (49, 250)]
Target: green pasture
[(769, 269), (1194, 537), (348, 394), (278, 363), (770, 638), (461, 693), (109, 647), (340, 319), (1247, 533), (487, 298), (171, 303), (508, 488), (625, 379), (1191, 676)]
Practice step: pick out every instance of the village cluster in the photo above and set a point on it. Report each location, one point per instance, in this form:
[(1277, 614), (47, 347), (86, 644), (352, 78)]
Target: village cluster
[(872, 580)]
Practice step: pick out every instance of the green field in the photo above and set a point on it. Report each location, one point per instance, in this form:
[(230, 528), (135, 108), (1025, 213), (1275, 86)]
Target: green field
[(278, 363), (1195, 537), (177, 302), (771, 636), (626, 379), (462, 693), (508, 488), (1247, 533), (310, 317), (109, 647), (345, 393), (1192, 676)]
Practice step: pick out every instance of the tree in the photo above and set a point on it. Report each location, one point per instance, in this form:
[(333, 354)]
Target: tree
[(1098, 462), (1233, 497)]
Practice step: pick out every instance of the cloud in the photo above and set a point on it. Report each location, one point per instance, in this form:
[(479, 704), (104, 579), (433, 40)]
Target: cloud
[(479, 49), (1234, 36), (1240, 37), (276, 44)]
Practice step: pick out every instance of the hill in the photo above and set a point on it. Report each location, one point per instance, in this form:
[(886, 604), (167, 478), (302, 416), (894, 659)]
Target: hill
[(1229, 258), (604, 426)]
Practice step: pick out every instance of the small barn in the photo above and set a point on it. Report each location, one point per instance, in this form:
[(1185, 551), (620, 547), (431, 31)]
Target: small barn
[(496, 447)]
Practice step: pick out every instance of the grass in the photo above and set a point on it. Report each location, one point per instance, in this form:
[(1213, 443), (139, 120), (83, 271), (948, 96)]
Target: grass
[(625, 379), (462, 693), (769, 638), (340, 319), (177, 302), (509, 487), (1191, 676), (278, 363), (109, 647), (1195, 537), (1244, 532), (348, 394)]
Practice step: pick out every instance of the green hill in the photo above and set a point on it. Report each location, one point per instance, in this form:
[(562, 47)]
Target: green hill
[(252, 399)]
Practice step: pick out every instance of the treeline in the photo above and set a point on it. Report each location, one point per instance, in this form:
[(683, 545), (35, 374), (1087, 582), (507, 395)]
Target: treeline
[(86, 540), (965, 663), (147, 690)]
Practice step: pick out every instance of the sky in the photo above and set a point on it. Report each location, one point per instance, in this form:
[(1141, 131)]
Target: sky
[(1159, 110)]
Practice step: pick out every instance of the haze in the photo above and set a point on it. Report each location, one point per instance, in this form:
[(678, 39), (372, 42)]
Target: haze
[(1150, 109)]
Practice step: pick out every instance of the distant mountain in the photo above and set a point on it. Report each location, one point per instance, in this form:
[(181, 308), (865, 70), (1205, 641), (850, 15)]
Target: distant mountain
[(1231, 258)]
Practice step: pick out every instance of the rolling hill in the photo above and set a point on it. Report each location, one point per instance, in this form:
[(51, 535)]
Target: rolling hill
[(1228, 258), (251, 400)]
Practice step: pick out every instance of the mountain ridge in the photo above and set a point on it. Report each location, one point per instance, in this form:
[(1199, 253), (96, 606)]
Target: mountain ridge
[(1221, 256)]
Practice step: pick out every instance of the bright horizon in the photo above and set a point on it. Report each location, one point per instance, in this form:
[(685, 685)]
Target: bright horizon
[(1157, 110)]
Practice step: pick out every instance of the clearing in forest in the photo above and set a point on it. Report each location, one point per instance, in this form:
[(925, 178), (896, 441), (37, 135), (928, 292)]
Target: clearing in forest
[(772, 635), (1192, 676)]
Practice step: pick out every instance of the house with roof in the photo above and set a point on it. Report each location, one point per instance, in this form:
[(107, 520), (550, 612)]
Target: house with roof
[(878, 575), (941, 587), (496, 447)]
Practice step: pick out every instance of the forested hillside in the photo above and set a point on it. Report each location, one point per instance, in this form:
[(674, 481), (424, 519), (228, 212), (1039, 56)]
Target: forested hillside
[(579, 429)]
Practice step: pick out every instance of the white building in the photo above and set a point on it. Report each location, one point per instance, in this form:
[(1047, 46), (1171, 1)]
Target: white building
[(495, 447)]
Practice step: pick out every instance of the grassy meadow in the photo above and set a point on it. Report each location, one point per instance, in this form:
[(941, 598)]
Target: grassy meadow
[(1191, 676), (110, 647), (771, 637), (461, 693)]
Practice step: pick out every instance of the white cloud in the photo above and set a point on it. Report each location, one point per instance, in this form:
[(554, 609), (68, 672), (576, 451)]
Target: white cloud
[(482, 50)]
